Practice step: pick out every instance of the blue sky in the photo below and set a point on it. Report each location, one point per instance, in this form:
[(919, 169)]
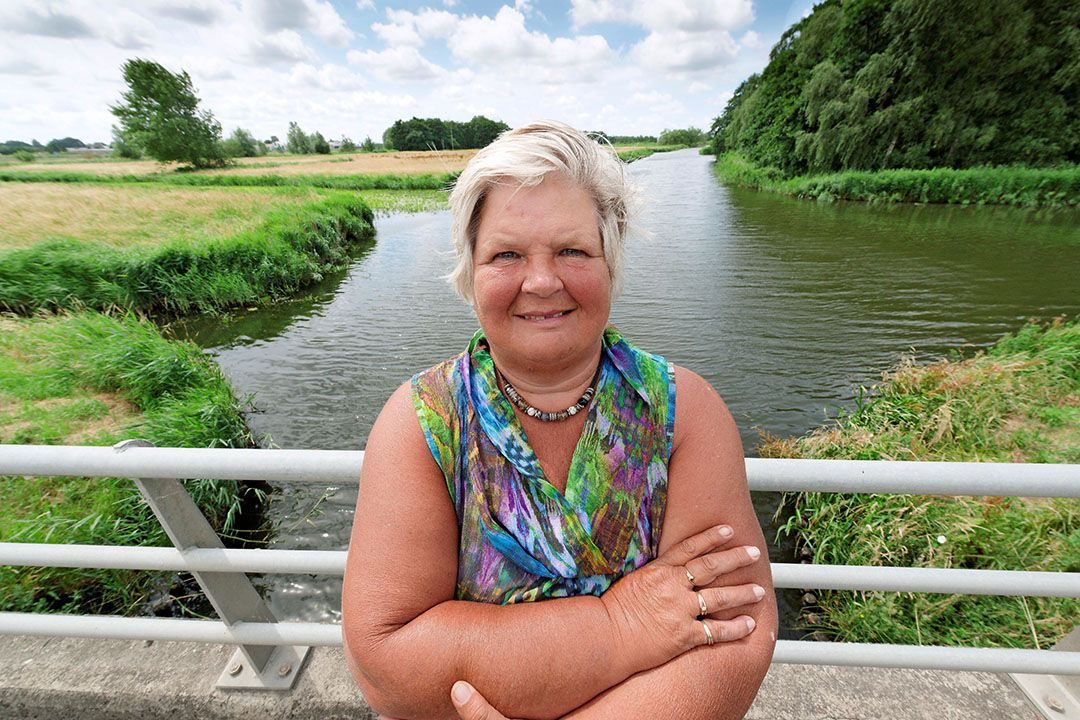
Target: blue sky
[(352, 67)]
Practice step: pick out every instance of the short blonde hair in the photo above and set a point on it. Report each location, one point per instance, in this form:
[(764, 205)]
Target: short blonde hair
[(524, 156)]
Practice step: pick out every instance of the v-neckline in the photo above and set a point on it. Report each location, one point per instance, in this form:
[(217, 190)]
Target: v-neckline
[(572, 493)]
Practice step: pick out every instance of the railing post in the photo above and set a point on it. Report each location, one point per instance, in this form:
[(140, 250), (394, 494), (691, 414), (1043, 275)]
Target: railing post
[(256, 667), (1055, 696)]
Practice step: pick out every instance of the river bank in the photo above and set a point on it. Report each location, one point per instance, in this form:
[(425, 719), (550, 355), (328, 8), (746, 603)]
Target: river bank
[(93, 379), (1018, 401), (1018, 186)]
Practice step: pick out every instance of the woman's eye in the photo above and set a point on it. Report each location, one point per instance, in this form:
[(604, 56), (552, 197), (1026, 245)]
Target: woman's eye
[(573, 252), (506, 255)]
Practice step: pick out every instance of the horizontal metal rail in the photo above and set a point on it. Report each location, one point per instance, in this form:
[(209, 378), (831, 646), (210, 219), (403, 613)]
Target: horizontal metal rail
[(341, 467), (332, 562), (325, 634)]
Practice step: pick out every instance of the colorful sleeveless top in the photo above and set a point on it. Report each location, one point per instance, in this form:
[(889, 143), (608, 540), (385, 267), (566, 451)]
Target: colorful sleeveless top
[(520, 538)]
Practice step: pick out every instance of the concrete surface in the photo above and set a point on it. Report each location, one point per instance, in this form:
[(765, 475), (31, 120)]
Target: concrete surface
[(54, 679)]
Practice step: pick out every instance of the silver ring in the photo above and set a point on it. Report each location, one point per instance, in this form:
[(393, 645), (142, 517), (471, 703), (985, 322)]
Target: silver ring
[(708, 633), (702, 605)]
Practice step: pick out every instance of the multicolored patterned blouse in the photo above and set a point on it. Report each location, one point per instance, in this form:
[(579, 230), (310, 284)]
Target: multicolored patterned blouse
[(521, 539)]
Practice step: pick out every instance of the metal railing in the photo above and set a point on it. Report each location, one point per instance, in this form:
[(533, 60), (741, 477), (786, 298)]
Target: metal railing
[(271, 652)]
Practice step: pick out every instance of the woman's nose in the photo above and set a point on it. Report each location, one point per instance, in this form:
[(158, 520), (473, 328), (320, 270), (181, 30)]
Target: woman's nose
[(541, 277)]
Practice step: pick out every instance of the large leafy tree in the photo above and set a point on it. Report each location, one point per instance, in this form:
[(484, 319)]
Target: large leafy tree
[(160, 114)]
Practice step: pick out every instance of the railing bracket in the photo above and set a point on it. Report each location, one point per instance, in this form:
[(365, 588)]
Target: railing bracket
[(280, 672), (1057, 697)]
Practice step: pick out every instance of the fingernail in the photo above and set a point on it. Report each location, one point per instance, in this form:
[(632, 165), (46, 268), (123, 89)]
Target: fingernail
[(461, 691), (759, 592), (724, 531), (753, 552), (750, 624)]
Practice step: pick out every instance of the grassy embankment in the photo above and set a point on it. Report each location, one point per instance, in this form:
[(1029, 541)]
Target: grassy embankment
[(92, 379), (1029, 187), (1017, 402), (157, 249), (631, 154)]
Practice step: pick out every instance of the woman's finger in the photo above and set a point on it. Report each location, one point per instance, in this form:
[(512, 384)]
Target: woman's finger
[(471, 705), (727, 597), (695, 546), (707, 568), (711, 632)]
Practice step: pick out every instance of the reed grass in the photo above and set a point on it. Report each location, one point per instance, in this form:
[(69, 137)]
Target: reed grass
[(1011, 185), (89, 378), (294, 246), (1019, 401), (636, 153)]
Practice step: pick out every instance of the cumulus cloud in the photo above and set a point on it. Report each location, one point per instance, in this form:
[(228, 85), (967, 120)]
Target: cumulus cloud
[(365, 4), (196, 12), (504, 40), (48, 20), (285, 46), (751, 40), (664, 15), (682, 51), (330, 77), (315, 16), (397, 63)]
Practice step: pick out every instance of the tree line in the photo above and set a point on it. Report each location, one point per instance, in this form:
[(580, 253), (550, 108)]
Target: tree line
[(875, 84), (436, 134)]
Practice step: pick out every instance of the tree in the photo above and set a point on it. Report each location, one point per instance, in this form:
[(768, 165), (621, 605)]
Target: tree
[(319, 144), (690, 136), (160, 114), (123, 147), (369, 145), (297, 141), (242, 144), (347, 145)]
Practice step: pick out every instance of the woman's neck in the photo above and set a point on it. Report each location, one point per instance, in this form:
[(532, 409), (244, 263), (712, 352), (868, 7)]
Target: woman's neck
[(549, 388)]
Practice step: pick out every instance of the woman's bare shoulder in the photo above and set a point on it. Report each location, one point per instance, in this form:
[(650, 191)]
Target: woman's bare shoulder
[(700, 411)]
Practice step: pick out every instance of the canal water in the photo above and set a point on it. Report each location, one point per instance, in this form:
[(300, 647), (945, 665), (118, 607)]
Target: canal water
[(785, 306)]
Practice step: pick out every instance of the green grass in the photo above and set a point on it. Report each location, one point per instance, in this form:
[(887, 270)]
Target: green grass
[(331, 182), (1017, 402), (89, 378), (1023, 186), (294, 247), (642, 152)]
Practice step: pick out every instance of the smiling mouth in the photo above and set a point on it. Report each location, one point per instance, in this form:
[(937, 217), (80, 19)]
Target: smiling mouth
[(546, 316)]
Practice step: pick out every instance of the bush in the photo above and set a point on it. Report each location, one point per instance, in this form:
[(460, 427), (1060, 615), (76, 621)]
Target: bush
[(24, 156)]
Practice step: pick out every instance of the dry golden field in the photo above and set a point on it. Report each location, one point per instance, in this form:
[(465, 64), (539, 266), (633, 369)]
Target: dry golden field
[(132, 214), (397, 163)]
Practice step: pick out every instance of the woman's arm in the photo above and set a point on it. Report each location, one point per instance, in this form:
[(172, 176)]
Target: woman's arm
[(407, 641), (706, 484)]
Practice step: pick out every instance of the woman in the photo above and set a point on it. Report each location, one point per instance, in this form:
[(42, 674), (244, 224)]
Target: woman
[(551, 462)]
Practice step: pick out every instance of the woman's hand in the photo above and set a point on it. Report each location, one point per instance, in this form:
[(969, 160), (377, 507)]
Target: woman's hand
[(657, 609), (471, 705)]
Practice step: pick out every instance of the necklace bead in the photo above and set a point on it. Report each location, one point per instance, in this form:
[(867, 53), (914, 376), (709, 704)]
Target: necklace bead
[(519, 402)]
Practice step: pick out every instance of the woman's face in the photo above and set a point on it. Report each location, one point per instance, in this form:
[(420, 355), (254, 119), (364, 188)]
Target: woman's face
[(541, 287)]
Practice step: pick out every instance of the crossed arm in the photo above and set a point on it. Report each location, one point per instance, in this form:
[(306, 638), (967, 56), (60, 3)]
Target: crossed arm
[(407, 640)]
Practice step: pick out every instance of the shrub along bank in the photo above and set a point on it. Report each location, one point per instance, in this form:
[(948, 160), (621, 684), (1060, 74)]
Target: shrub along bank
[(1030, 187), (89, 378), (1017, 402), (293, 248)]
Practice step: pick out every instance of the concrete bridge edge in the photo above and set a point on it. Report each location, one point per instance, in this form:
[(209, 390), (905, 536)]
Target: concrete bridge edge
[(49, 678)]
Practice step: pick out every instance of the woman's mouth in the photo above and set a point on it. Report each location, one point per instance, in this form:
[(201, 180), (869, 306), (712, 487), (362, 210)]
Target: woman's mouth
[(545, 316)]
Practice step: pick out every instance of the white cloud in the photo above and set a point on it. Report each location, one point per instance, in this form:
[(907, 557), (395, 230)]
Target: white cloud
[(54, 20), (284, 46), (197, 12), (504, 40), (365, 4), (397, 63), (751, 40), (698, 87), (398, 34), (681, 51), (664, 15), (315, 16), (329, 77)]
